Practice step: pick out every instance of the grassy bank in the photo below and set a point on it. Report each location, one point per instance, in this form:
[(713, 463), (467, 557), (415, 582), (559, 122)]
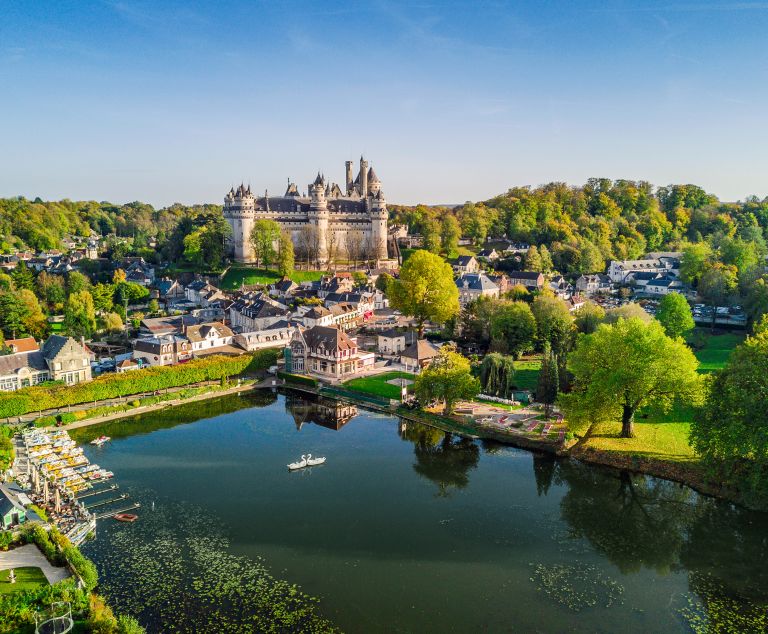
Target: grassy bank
[(236, 276), (378, 386)]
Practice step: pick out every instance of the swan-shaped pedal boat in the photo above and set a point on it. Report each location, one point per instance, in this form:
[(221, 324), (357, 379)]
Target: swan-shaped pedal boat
[(306, 461)]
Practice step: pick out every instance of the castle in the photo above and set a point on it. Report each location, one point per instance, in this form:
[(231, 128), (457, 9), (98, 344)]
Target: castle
[(326, 225)]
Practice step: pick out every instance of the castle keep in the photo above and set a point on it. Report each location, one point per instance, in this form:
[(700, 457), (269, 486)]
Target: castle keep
[(327, 224)]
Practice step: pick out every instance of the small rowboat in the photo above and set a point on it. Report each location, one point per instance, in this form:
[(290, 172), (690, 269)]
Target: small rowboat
[(126, 517)]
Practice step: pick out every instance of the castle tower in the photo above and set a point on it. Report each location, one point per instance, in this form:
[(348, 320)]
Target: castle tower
[(379, 217), (374, 184), (350, 181), (318, 216), (363, 177), (240, 213)]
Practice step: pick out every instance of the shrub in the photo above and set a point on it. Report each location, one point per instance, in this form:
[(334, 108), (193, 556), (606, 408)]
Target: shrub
[(135, 403), (128, 625), (45, 421), (298, 378), (147, 380), (66, 417)]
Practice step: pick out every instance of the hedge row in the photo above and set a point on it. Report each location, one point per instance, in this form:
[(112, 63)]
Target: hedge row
[(116, 385), (298, 378)]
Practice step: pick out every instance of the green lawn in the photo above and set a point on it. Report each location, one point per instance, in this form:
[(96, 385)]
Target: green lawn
[(716, 351), (238, 275), (27, 578), (527, 373), (378, 385)]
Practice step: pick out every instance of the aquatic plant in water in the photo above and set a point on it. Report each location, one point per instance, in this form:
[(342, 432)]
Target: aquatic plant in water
[(173, 570), (577, 587)]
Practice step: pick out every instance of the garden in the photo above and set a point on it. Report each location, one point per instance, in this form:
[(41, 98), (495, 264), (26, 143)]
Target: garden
[(236, 276), (378, 384)]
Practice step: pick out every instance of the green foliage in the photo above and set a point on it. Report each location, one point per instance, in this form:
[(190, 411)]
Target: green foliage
[(285, 259), (512, 327), (631, 310), (628, 365), (383, 281), (378, 384), (263, 237), (80, 315), (448, 379), (298, 378), (588, 317), (674, 314), (147, 380), (497, 373), (549, 380), (425, 290), (731, 431)]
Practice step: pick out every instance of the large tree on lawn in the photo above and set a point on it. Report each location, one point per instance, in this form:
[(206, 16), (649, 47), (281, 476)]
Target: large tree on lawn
[(426, 290), (448, 379), (628, 365)]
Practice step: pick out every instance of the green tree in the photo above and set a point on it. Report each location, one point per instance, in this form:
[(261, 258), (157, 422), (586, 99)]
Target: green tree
[(631, 310), (103, 297), (35, 323), (717, 286), (512, 328), (80, 315), (588, 317), (447, 379), (430, 232), (263, 237), (546, 259), (549, 381), (77, 282), (674, 314), (153, 306), (113, 322), (23, 276), (555, 328), (532, 259), (285, 260), (731, 431), (450, 232), (50, 289), (628, 365), (425, 290), (13, 314), (383, 281), (497, 374), (696, 258)]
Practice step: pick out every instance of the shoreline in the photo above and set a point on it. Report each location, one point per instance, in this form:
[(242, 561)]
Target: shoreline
[(691, 475)]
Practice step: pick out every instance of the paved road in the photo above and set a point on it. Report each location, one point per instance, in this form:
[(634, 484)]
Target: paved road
[(29, 555)]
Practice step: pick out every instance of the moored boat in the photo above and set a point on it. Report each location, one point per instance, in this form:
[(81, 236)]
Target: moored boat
[(126, 517)]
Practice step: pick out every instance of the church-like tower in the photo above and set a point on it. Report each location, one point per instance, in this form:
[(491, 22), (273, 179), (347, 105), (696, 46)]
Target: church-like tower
[(240, 212), (318, 217)]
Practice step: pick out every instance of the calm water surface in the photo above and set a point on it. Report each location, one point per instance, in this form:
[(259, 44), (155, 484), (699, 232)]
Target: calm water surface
[(407, 529)]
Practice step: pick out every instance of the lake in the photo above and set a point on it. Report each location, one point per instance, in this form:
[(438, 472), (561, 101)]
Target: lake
[(405, 529)]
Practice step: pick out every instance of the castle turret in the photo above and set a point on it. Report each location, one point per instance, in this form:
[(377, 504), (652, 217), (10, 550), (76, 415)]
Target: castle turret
[(240, 213), (374, 184), (318, 216), (349, 180), (379, 216), (363, 177)]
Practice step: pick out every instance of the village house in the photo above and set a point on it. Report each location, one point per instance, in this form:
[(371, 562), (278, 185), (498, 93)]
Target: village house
[(339, 283), (24, 366), (561, 287), (277, 335), (532, 280), (490, 255), (593, 284), (666, 263), (165, 349), (12, 512), (393, 341), (283, 289), (475, 285), (138, 270), (126, 365), (326, 352), (256, 311), (665, 285), (201, 293), (160, 326), (169, 289), (466, 264), (418, 355), (207, 338), (68, 360)]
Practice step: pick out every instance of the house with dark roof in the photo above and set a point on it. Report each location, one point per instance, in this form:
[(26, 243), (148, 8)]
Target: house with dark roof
[(169, 289), (465, 264), (24, 366), (418, 355), (472, 286), (665, 285), (276, 335), (12, 512), (326, 352), (592, 284), (532, 280), (490, 255), (256, 311), (171, 325), (283, 289), (164, 349), (394, 341), (68, 360)]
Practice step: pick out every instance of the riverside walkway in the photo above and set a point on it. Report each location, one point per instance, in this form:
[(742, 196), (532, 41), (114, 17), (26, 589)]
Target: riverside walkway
[(29, 556)]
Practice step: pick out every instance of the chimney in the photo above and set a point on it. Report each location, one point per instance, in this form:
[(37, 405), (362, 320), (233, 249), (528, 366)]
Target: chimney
[(348, 165), (363, 177)]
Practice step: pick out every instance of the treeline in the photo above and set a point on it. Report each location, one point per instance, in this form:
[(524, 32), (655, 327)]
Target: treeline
[(109, 386), (586, 226), (42, 225)]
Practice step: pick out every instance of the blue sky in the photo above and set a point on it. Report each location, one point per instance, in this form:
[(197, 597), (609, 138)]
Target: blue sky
[(450, 101)]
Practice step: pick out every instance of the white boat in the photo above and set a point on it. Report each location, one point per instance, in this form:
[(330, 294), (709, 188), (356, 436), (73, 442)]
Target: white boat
[(100, 440), (298, 465), (313, 462)]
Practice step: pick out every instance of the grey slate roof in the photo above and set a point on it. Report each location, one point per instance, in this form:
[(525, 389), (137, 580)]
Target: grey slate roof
[(476, 282)]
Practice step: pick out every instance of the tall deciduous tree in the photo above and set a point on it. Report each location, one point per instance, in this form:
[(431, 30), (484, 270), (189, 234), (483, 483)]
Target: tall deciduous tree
[(34, 321), (447, 379), (717, 286), (497, 374), (263, 237), (731, 431), (450, 232), (23, 277), (628, 365), (674, 314), (285, 260), (426, 290), (549, 381), (513, 328), (13, 313), (79, 315)]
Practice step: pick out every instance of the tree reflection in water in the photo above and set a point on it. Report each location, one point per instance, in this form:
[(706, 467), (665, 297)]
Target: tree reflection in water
[(441, 457), (643, 522)]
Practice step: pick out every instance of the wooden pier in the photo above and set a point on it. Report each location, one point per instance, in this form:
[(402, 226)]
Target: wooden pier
[(103, 516)]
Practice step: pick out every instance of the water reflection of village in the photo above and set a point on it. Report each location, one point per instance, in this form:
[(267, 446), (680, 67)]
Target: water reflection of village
[(328, 413)]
